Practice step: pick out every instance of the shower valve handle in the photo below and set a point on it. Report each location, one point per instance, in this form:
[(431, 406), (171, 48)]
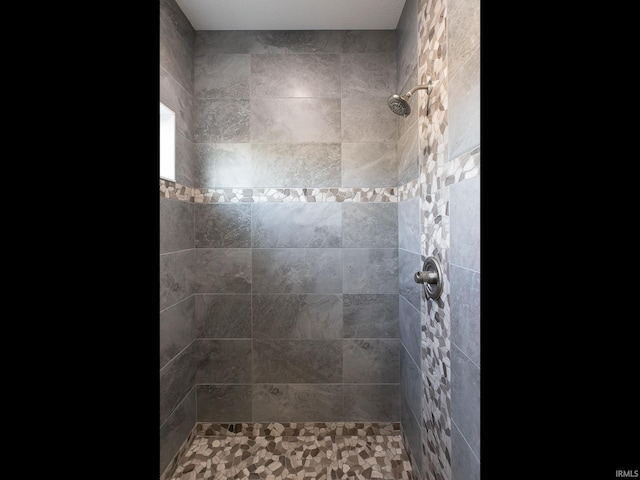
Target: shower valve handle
[(431, 278), (426, 277)]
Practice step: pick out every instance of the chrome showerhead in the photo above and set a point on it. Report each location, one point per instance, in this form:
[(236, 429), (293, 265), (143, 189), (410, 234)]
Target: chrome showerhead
[(399, 105)]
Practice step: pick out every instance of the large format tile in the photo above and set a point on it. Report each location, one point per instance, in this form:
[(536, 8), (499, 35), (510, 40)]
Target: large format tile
[(222, 75), (177, 378), (176, 225), (224, 403), (409, 225), (463, 30), (367, 75), (368, 120), (283, 165), (296, 41), (464, 464), (297, 361), (221, 225), (297, 270), (370, 225), (413, 438), (372, 403), (223, 316), (408, 155), (223, 361), (176, 277), (370, 315), (176, 429), (222, 270), (465, 397), (180, 101), (222, 165), (222, 41), (296, 225), (177, 329), (221, 120), (185, 154), (410, 329), (465, 311), (408, 264), (295, 75), (410, 383), (464, 107), (310, 316), (371, 360), (371, 164), (298, 403), (363, 41), (465, 223), (299, 120), (370, 270), (176, 49)]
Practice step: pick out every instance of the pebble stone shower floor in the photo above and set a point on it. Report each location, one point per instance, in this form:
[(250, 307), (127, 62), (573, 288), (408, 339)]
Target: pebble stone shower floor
[(296, 451)]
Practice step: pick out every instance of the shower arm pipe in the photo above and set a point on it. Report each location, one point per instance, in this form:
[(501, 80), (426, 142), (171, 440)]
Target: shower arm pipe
[(428, 86)]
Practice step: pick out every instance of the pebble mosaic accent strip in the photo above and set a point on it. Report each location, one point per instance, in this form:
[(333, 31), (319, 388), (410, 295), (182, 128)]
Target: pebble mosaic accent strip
[(296, 451), (169, 189)]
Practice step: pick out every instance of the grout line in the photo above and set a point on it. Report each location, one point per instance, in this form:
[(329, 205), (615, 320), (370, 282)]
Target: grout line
[(466, 356), (465, 441)]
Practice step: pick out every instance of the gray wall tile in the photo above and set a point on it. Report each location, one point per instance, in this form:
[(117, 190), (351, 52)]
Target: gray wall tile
[(464, 107), (410, 329), (465, 311), (297, 270), (221, 120), (463, 30), (408, 264), (368, 75), (228, 41), (282, 165), (409, 225), (224, 403), (370, 316), (407, 31), (176, 428), (361, 41), (374, 164), (222, 270), (372, 403), (370, 270), (410, 383), (368, 120), (404, 123), (178, 19), (465, 223), (177, 329), (299, 403), (223, 361), (408, 155), (222, 75), (413, 437), (223, 316), (174, 96), (177, 378), (312, 225), (306, 316), (297, 41), (176, 225), (371, 360), (297, 361), (465, 398), (279, 120), (222, 165), (185, 154), (176, 277), (464, 465), (295, 75), (370, 225), (176, 45), (221, 225)]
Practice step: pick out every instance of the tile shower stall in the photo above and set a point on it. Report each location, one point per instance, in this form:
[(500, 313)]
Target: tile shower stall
[(301, 209)]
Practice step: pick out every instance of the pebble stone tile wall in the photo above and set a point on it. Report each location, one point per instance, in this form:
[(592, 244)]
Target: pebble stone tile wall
[(272, 451)]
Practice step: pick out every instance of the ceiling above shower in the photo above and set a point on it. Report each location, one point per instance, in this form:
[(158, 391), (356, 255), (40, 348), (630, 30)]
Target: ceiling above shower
[(292, 14)]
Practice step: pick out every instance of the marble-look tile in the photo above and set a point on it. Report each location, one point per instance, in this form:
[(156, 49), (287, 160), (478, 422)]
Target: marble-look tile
[(176, 429), (295, 75), (176, 225), (408, 155), (464, 32), (372, 403), (465, 398), (368, 120), (297, 361), (300, 403), (177, 378), (297, 270), (224, 403), (371, 360), (410, 329), (363, 41), (407, 31), (176, 50), (370, 270), (465, 311), (223, 316), (177, 329), (297, 41), (463, 462), (297, 120), (222, 270), (222, 41), (176, 277), (464, 200), (282, 165), (180, 101), (410, 382), (178, 19), (306, 316), (223, 225), (372, 225), (373, 164), (370, 316), (312, 225), (223, 361), (221, 120), (222, 165), (409, 225), (464, 107), (408, 264), (222, 75), (185, 153), (368, 75)]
